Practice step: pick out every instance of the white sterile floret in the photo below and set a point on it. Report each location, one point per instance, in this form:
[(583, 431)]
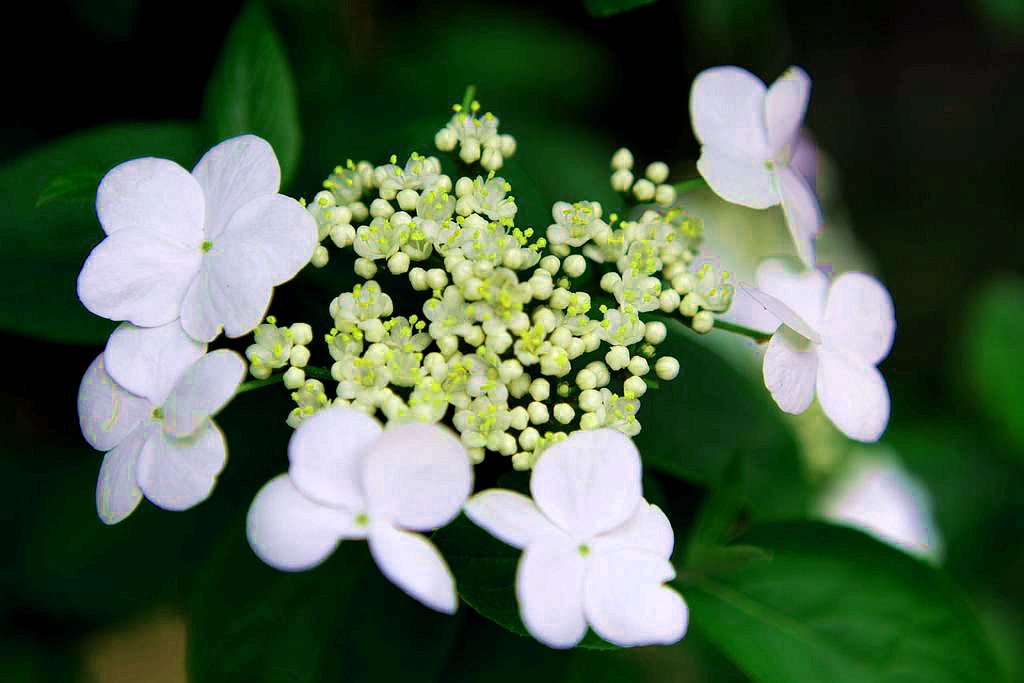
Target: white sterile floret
[(595, 552), (272, 348), (748, 133), (831, 339), (351, 479), (381, 238), (575, 224), (206, 247), (489, 198), (364, 303), (147, 400), (621, 327)]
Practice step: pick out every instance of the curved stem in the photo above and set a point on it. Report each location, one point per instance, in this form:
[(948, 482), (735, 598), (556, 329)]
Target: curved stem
[(759, 337), (468, 97)]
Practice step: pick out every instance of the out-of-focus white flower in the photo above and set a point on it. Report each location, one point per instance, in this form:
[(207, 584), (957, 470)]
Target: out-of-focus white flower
[(595, 552), (351, 479)]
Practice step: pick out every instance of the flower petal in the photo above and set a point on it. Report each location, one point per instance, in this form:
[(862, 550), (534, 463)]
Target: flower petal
[(177, 474), (648, 529), (290, 532), (413, 564), (549, 587), (233, 173), (508, 516), (804, 159), (156, 195), (328, 453), (804, 293), (106, 412), (626, 603), (785, 106), (790, 371), (139, 276), (417, 476), (223, 297), (740, 180), (205, 387), (727, 110), (803, 215), (117, 493), (272, 235), (853, 395), (859, 317), (589, 483), (147, 361)]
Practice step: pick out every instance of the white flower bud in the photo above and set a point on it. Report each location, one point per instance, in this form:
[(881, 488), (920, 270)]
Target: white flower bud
[(462, 272), (471, 439), (638, 366), (506, 444), (381, 208), (320, 257), (622, 180), (342, 235), (463, 186), (561, 336), (398, 263), (550, 264), (407, 199), (448, 345), (446, 139), (590, 421), (576, 348), (666, 368), (540, 389), (541, 288), (512, 258), (508, 145), (591, 342), (655, 332), (418, 279), (520, 418), (657, 172), (298, 356), (585, 379), (668, 300), (684, 283), (609, 280), (690, 305), (703, 322), (544, 317), (644, 190), (491, 159), (470, 150), (519, 386), (529, 437), (509, 370), (302, 334), (474, 336), (574, 265), (590, 400), (359, 211), (519, 323), (294, 378), (560, 299), (601, 371), (564, 413), (635, 386), (665, 195), (476, 455), (499, 343), (617, 357), (260, 371), (622, 158), (365, 268), (436, 278), (338, 371), (538, 413)]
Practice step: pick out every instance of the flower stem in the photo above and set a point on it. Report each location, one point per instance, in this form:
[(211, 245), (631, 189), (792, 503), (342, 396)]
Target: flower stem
[(691, 184), (311, 371), (468, 97), (759, 337)]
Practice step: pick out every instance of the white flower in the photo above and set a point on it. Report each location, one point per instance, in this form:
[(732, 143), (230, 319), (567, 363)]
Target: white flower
[(207, 247), (747, 133), (147, 401), (831, 340), (595, 552), (575, 223), (351, 479)]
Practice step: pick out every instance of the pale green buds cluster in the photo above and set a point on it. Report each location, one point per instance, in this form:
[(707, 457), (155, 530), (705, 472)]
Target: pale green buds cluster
[(275, 347), (476, 137), (650, 188)]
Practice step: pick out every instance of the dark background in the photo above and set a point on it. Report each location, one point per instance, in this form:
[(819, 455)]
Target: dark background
[(919, 105)]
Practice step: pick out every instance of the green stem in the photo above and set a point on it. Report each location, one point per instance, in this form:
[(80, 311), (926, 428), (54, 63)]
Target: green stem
[(691, 184), (322, 374), (759, 337), (468, 97)]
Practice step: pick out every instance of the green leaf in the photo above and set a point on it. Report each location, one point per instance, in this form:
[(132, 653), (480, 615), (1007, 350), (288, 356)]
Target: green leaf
[(995, 328), (606, 8), (251, 89), (75, 185), (340, 621), (485, 575), (45, 246), (695, 425), (835, 605)]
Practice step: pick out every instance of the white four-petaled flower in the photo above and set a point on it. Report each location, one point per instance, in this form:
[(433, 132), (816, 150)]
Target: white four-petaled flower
[(831, 339), (206, 247), (595, 552), (748, 135), (147, 401), (351, 479)]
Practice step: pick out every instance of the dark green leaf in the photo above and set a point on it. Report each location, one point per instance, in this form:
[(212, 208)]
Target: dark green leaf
[(45, 246), (835, 605), (75, 185), (606, 8), (251, 89)]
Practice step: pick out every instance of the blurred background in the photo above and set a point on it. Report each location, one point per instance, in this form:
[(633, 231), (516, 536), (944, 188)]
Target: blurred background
[(916, 108)]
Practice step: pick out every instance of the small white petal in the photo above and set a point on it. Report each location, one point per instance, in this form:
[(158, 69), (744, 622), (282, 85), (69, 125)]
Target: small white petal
[(589, 483), (790, 371), (859, 317), (272, 235), (803, 215), (177, 474), (727, 111), (413, 564), (853, 395), (328, 453), (740, 180), (156, 195), (804, 159), (204, 388), (648, 529), (106, 412), (626, 603), (290, 532), (417, 476), (804, 292), (549, 586), (509, 516), (139, 276), (147, 361), (231, 174), (785, 106), (117, 493)]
